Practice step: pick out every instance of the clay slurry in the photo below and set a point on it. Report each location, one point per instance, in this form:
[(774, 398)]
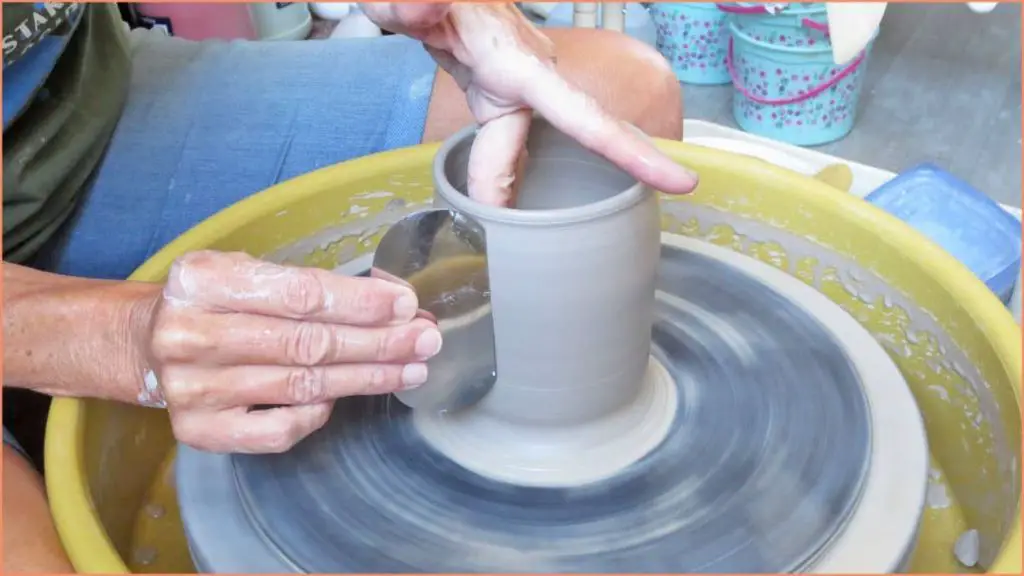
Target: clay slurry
[(436, 284)]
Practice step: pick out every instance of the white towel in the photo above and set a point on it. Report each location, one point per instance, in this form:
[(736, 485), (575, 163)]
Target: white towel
[(851, 25)]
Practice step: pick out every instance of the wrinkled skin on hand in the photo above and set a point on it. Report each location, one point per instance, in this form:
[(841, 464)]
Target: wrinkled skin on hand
[(506, 68), (231, 332)]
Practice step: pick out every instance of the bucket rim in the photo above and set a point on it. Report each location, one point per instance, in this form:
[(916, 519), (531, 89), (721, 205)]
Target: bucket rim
[(678, 6), (826, 46), (787, 10)]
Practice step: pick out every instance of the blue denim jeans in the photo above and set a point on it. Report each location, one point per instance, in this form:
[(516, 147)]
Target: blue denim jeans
[(210, 123)]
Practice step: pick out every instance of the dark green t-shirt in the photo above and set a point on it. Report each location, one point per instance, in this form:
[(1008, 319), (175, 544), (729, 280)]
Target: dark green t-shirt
[(70, 64)]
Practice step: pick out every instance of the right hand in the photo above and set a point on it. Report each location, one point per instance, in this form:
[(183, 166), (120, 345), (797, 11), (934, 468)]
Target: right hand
[(231, 332), (506, 67)]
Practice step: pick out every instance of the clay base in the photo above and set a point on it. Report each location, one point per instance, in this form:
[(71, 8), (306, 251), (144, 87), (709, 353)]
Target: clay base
[(553, 456)]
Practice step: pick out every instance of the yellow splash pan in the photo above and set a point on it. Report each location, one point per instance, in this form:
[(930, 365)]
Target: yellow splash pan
[(108, 475)]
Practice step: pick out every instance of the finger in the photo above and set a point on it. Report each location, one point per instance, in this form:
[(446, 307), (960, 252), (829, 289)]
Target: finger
[(384, 275), (289, 385), (494, 158), (241, 339), (581, 117), (237, 282), (274, 430)]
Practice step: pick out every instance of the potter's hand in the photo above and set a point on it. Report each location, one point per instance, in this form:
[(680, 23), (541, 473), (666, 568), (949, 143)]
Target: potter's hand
[(231, 332), (506, 68)]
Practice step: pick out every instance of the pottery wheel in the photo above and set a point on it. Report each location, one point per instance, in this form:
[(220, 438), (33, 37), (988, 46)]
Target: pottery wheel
[(767, 465)]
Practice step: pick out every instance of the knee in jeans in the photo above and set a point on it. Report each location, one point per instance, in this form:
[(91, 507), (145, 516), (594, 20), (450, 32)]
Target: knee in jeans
[(630, 79), (658, 94)]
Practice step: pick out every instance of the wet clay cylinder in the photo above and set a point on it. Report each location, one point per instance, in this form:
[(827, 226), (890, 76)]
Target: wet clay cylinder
[(572, 276), (573, 270)]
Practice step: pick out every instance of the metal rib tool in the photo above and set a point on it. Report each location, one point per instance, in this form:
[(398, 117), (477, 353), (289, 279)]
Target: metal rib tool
[(442, 255)]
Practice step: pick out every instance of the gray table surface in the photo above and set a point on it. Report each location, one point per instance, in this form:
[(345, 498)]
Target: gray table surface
[(943, 86)]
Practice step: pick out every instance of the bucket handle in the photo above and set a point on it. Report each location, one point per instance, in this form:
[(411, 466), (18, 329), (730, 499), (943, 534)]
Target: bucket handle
[(762, 9), (730, 9), (815, 25), (849, 69)]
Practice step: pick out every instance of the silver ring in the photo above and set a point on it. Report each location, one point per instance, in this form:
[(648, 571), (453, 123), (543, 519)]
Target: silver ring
[(150, 395)]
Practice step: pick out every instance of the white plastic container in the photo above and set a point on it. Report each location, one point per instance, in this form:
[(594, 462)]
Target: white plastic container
[(331, 10), (355, 24), (281, 20)]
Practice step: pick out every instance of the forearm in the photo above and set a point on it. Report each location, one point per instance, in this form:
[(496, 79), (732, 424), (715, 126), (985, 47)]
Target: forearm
[(68, 336)]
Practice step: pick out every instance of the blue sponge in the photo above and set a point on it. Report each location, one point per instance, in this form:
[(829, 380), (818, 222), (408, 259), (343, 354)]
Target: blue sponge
[(968, 224)]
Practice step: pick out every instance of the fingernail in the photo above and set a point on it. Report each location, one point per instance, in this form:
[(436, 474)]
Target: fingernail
[(429, 343), (414, 375), (405, 307), (696, 179), (693, 176)]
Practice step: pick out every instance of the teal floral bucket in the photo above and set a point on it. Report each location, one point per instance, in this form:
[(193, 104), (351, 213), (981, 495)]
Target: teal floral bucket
[(693, 37), (796, 24), (794, 94)]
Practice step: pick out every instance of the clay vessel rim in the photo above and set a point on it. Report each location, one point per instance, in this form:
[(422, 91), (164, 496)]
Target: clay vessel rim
[(622, 200)]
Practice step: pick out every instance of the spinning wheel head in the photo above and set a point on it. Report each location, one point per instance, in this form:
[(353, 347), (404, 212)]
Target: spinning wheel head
[(789, 430)]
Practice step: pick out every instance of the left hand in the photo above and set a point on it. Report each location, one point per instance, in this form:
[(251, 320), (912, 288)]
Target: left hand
[(506, 67), (230, 333)]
